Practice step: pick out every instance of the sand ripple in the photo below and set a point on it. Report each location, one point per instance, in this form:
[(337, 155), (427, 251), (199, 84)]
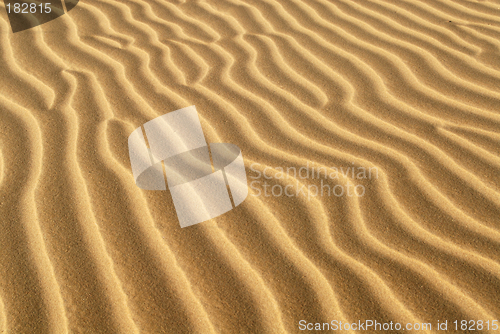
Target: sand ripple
[(411, 88)]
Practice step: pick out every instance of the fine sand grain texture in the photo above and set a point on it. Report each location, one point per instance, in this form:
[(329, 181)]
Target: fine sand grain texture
[(408, 90)]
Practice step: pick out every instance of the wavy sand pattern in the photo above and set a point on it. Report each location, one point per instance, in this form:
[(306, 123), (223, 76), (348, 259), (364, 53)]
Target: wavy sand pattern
[(411, 88)]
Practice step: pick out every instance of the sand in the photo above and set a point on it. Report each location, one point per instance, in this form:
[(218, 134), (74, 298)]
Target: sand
[(410, 89)]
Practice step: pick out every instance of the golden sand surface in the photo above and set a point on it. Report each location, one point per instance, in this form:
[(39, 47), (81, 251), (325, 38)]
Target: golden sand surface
[(407, 87)]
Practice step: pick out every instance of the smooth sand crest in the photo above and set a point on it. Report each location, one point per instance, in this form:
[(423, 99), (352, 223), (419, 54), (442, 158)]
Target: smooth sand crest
[(409, 88)]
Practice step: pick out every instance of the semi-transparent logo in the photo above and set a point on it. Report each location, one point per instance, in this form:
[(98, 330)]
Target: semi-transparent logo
[(27, 14), (200, 190)]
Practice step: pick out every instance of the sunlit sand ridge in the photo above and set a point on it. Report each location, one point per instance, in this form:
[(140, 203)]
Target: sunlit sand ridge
[(408, 88)]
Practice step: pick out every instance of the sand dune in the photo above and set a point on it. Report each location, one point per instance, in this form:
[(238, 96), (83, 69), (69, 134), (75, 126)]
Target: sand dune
[(409, 88)]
